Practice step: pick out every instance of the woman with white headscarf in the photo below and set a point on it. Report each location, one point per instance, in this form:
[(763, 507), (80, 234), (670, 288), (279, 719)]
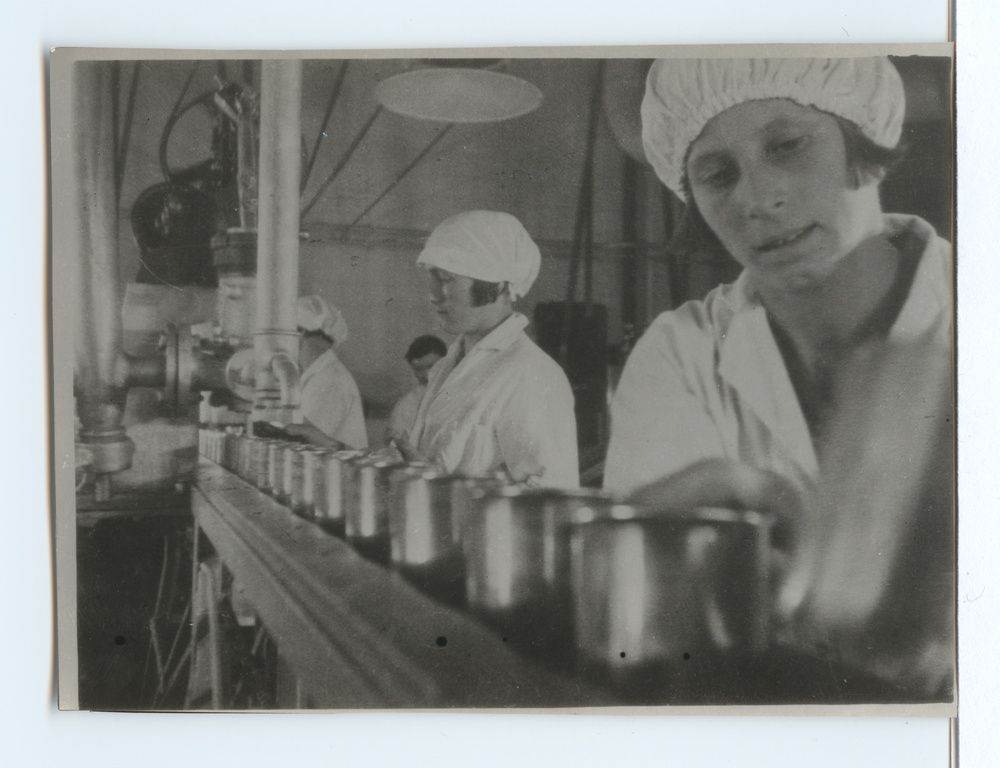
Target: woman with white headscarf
[(741, 399), (331, 403), (496, 402)]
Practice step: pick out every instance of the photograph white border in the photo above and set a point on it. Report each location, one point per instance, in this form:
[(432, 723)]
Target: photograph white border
[(164, 740)]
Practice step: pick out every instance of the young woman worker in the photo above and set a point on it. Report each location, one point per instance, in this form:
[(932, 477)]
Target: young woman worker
[(733, 400)]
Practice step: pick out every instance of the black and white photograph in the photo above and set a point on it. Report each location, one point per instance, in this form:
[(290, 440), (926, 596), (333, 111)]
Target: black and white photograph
[(585, 379)]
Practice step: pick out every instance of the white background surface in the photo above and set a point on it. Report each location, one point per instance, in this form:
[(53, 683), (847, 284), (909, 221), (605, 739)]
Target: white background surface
[(36, 734)]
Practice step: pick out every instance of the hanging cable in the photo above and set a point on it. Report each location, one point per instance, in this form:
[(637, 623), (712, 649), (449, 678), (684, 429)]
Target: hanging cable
[(434, 142), (334, 96), (343, 161), (175, 114)]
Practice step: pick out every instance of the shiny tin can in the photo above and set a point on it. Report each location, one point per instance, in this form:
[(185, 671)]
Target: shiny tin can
[(366, 514), (671, 605), (275, 466), (245, 445), (311, 474), (291, 475), (424, 546), (467, 493), (229, 442), (516, 544), (216, 442), (258, 463), (329, 491)]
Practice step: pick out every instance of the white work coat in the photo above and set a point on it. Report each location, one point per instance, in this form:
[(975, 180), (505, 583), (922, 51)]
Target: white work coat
[(505, 406), (331, 401), (404, 412), (708, 380)]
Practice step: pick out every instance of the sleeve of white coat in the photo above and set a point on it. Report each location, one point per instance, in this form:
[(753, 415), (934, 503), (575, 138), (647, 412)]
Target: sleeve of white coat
[(350, 425), (400, 419), (659, 421), (537, 434), (335, 408)]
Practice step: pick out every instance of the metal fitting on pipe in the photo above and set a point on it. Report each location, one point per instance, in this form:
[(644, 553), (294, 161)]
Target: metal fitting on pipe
[(145, 371), (286, 371)]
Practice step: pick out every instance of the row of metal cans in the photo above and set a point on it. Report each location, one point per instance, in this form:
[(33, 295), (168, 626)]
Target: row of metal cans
[(353, 493), (575, 577)]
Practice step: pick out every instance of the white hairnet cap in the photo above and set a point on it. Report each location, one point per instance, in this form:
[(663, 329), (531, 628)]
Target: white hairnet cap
[(486, 245), (682, 95), (314, 313)]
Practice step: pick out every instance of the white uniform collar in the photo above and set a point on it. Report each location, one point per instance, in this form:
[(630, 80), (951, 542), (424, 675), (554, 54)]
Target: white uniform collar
[(503, 335), (749, 358)]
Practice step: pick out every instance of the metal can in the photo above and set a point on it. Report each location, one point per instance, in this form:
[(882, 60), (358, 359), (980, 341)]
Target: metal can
[(466, 494), (423, 543), (258, 463), (228, 449), (329, 493), (218, 441), (366, 515), (291, 474), (419, 515), (671, 607), (236, 453), (304, 492), (517, 560), (275, 466), (243, 467)]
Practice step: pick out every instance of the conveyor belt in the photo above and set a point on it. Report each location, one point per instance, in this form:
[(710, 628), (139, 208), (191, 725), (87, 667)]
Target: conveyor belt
[(355, 634)]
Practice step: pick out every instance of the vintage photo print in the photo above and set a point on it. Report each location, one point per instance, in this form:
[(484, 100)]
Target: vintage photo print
[(575, 378)]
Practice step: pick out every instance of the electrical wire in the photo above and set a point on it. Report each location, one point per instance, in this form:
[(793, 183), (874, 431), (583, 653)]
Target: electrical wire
[(343, 162), (331, 103), (122, 146), (176, 112), (436, 140)]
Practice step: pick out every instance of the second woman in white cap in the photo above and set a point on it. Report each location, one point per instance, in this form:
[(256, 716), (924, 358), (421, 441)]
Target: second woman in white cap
[(331, 403), (496, 402)]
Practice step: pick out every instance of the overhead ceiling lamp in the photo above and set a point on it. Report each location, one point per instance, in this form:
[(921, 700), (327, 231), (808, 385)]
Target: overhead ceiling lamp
[(458, 91)]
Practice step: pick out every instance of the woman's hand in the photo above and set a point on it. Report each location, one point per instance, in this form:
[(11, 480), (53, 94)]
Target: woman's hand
[(313, 435), (723, 483), (732, 485), (409, 451)]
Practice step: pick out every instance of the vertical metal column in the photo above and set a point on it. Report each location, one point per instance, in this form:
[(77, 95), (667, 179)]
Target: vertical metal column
[(101, 370), (276, 342)]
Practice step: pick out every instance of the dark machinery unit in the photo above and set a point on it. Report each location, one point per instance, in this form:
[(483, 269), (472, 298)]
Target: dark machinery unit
[(582, 350)]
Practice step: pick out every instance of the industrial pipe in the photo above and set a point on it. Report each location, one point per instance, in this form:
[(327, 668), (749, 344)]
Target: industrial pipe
[(276, 341), (99, 366)]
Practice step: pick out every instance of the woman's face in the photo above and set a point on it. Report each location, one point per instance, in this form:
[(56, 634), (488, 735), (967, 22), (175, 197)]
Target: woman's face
[(770, 178), (451, 296)]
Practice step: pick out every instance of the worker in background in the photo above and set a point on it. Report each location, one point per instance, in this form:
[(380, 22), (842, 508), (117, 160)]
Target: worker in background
[(421, 356), (741, 399), (331, 403), (496, 402)]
